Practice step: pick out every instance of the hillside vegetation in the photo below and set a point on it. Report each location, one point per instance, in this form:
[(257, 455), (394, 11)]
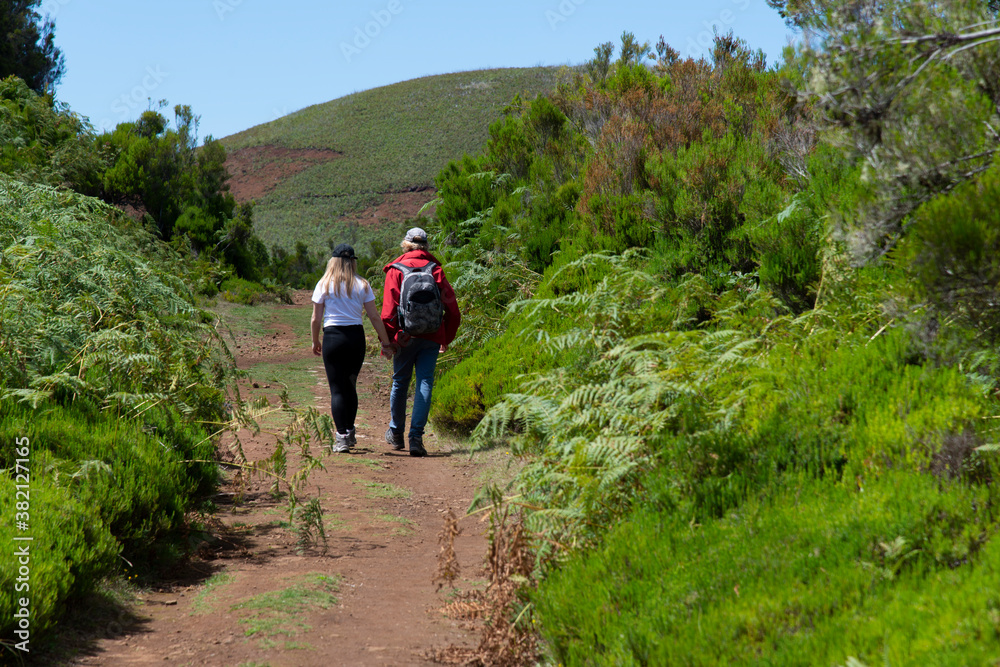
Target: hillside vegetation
[(738, 324), (392, 139)]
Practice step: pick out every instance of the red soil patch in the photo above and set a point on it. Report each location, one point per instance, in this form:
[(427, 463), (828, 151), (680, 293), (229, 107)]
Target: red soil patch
[(257, 170), (395, 207)]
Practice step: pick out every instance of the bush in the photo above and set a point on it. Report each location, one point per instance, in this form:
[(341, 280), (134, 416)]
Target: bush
[(464, 394), (462, 198), (43, 143), (814, 574), (707, 196), (858, 410), (953, 255), (126, 471), (788, 246), (238, 290), (796, 494), (549, 222), (112, 372), (525, 346), (70, 551)]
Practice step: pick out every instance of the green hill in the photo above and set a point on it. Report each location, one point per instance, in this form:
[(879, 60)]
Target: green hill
[(370, 157)]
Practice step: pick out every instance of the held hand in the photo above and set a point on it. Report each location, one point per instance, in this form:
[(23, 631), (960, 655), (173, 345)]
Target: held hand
[(444, 348), (318, 349), (388, 350)]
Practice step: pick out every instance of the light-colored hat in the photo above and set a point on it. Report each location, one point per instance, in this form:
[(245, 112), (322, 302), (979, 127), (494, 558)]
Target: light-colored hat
[(416, 235)]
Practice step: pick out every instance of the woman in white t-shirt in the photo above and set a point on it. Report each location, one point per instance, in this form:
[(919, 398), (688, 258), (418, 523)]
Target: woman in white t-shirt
[(339, 299)]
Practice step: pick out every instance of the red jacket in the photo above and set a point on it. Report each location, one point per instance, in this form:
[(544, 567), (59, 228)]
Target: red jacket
[(390, 298)]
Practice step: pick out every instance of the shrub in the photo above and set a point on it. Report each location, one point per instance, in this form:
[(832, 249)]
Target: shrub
[(953, 255), (466, 392), (112, 372), (855, 409), (238, 290), (623, 223), (126, 471), (813, 574), (462, 197), (536, 338), (70, 551), (549, 221), (707, 196), (41, 142)]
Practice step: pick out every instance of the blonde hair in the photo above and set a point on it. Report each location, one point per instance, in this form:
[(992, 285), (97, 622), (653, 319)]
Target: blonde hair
[(341, 271), (407, 246)]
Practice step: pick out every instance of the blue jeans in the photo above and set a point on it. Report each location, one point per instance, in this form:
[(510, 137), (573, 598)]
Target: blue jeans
[(420, 354)]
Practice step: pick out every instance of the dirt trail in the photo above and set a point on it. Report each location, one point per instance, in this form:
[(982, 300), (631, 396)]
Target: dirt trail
[(250, 598)]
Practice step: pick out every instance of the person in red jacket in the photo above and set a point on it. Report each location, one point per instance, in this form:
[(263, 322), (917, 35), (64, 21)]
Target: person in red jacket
[(416, 353)]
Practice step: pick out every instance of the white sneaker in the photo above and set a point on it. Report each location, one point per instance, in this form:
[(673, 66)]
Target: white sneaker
[(342, 443)]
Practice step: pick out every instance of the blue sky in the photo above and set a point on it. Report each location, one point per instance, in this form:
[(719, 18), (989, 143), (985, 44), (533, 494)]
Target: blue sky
[(240, 63)]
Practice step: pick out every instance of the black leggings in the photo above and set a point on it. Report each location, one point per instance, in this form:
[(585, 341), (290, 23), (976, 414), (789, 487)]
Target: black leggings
[(343, 356)]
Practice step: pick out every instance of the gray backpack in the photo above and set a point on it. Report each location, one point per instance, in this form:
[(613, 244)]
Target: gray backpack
[(421, 310)]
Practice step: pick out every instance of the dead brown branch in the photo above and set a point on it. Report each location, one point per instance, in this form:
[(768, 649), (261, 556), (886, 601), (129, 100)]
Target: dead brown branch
[(448, 566), (508, 636)]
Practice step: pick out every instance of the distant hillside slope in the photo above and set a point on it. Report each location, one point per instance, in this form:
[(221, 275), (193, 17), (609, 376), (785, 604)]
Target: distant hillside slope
[(370, 157)]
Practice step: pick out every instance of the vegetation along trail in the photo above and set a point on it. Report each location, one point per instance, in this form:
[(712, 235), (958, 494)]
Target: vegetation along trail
[(729, 360), (254, 596)]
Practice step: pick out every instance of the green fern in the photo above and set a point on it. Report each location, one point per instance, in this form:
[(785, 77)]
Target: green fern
[(588, 434)]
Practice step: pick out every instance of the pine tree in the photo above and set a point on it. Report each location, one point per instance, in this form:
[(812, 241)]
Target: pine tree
[(27, 47)]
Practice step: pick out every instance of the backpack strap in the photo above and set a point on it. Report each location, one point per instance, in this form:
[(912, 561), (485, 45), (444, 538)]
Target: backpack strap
[(407, 270)]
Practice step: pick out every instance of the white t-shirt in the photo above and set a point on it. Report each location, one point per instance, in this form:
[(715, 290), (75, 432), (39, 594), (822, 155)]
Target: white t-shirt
[(342, 311)]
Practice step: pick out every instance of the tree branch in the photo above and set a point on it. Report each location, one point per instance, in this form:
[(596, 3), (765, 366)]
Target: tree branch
[(946, 39), (973, 45)]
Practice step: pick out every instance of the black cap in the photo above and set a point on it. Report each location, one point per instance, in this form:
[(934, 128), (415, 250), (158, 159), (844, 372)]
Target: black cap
[(345, 251)]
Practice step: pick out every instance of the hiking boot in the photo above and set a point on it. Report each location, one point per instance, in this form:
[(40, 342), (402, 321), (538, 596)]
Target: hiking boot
[(396, 441), (341, 443), (417, 447)]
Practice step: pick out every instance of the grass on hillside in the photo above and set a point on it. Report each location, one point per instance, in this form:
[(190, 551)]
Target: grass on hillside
[(392, 138)]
